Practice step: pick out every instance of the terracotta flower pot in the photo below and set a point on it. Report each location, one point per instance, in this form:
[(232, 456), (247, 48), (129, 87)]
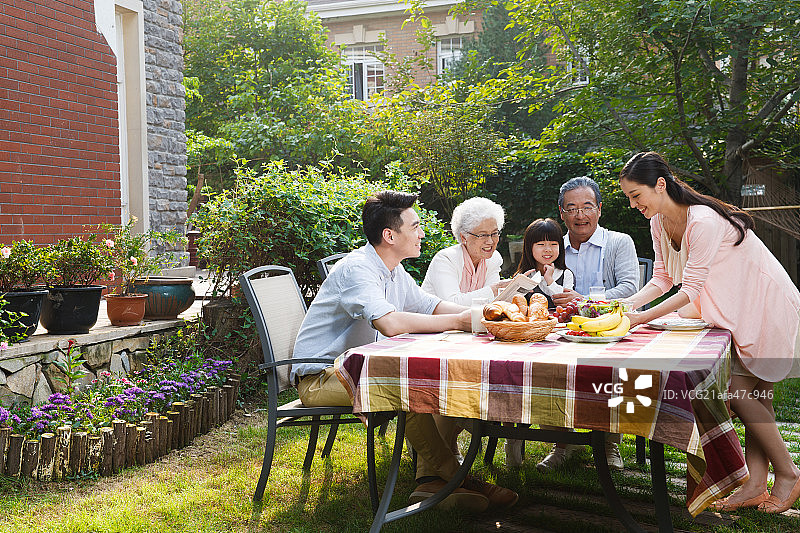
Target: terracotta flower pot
[(125, 310)]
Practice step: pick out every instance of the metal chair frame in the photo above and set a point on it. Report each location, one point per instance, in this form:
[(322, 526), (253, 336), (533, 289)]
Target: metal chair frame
[(324, 264), (292, 413)]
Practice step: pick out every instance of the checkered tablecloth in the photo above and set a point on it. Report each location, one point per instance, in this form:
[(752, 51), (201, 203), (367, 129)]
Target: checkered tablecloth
[(668, 386)]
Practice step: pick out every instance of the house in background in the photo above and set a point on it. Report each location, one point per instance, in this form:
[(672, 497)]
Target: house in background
[(92, 116), (356, 26)]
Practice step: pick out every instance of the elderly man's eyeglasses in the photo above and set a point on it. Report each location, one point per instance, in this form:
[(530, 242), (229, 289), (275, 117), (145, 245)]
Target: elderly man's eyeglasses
[(482, 236), (585, 210)]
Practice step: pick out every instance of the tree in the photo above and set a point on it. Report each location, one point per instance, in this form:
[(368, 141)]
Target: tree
[(486, 57), (263, 86), (450, 148), (712, 84), (241, 50)]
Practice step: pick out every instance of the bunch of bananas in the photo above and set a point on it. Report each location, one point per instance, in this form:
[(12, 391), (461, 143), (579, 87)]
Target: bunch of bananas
[(613, 324)]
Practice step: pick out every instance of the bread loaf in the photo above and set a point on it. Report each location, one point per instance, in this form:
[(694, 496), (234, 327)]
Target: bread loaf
[(518, 317), (493, 311), (537, 309), (519, 301), (508, 307), (538, 298)]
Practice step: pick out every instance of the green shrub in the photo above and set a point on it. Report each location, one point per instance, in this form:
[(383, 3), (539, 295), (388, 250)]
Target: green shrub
[(21, 265), (294, 218), (527, 187)]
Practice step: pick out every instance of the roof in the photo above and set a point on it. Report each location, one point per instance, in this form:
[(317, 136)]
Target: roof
[(328, 9)]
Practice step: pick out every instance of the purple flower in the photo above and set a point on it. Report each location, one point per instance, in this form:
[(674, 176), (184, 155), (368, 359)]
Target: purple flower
[(59, 398), (115, 401)]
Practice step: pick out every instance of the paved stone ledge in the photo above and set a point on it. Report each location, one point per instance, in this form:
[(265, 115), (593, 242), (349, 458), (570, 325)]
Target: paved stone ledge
[(27, 372), (103, 331)]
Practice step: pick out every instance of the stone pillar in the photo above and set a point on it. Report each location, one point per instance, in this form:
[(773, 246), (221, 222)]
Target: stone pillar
[(166, 139)]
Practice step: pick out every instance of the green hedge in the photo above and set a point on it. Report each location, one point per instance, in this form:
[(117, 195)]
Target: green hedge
[(296, 217), (527, 187)]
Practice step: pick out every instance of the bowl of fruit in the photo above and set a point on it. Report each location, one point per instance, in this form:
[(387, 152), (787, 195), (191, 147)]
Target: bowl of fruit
[(598, 322), (595, 308)]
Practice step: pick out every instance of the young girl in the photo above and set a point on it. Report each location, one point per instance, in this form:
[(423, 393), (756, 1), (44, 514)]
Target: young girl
[(543, 253), (543, 256)]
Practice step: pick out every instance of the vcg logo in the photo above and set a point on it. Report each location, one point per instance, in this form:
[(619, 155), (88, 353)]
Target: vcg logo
[(642, 382)]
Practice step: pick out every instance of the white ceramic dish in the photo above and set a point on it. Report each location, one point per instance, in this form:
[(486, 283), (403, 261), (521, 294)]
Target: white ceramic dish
[(591, 340), (679, 324)]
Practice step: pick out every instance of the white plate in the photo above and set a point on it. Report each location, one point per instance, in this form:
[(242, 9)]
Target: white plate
[(679, 324), (595, 340)]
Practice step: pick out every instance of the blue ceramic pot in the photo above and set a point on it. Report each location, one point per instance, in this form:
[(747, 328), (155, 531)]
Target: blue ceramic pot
[(168, 296)]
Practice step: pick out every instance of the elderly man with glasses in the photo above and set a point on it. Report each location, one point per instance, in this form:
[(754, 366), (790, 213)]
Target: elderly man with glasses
[(597, 257)]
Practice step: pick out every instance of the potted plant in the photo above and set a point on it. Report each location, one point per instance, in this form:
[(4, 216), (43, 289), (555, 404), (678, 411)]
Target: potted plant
[(169, 296), (71, 269), (133, 259), (20, 270)]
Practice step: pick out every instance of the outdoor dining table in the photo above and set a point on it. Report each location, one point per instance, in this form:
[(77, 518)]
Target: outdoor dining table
[(667, 386)]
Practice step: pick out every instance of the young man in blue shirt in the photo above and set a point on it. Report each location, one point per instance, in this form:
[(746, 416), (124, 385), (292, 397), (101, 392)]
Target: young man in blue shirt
[(369, 296)]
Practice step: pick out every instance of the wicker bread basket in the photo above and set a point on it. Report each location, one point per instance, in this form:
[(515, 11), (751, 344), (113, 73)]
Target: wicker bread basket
[(505, 330)]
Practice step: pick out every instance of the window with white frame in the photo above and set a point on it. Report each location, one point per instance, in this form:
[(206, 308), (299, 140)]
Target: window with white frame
[(448, 50), (366, 72), (580, 74)]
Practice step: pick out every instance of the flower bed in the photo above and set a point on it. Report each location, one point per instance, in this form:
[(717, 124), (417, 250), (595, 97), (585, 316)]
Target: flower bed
[(117, 421)]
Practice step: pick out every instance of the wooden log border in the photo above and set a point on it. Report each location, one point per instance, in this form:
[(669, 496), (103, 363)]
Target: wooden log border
[(69, 454)]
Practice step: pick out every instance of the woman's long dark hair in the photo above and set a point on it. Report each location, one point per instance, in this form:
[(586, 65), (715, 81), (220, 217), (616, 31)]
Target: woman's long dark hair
[(646, 167), (541, 229)]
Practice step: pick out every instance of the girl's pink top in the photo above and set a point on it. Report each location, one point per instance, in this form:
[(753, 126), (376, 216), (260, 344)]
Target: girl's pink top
[(741, 288)]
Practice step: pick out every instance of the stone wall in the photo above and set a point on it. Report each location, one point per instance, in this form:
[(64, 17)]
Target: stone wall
[(166, 139), (32, 378)]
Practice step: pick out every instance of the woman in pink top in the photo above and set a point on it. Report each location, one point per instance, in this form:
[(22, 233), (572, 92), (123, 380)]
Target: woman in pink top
[(733, 282)]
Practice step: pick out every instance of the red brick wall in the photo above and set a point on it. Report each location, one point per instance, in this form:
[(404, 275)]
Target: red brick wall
[(401, 41), (59, 137)]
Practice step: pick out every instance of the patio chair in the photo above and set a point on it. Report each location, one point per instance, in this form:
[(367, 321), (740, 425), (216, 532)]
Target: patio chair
[(278, 309), (326, 264), (645, 273)]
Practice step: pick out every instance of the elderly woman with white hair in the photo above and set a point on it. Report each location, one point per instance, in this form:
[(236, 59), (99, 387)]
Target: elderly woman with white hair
[(470, 269)]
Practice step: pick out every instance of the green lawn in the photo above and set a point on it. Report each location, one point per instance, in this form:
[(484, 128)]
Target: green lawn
[(208, 487)]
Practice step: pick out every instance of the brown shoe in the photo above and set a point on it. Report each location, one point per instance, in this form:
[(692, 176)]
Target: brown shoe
[(773, 505), (722, 506), (499, 497), (461, 498)]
